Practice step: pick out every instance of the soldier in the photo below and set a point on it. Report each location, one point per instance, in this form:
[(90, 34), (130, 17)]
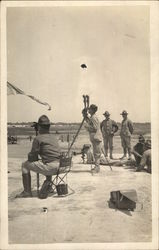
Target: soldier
[(125, 133), (46, 146), (93, 127), (108, 128), (139, 149), (146, 158)]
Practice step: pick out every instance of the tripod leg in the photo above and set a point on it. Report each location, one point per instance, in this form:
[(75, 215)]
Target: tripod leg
[(38, 185)]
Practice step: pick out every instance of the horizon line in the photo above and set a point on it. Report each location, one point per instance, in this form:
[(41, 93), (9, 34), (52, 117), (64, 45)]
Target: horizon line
[(70, 122)]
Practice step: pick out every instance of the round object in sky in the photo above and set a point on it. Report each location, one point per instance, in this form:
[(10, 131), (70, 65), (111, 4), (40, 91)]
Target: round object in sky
[(83, 66)]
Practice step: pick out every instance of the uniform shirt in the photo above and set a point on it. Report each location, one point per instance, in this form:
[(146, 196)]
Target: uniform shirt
[(108, 126), (93, 128), (146, 158), (139, 148), (46, 145), (126, 128)]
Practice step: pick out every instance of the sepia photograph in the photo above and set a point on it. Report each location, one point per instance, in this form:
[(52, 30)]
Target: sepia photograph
[(79, 124)]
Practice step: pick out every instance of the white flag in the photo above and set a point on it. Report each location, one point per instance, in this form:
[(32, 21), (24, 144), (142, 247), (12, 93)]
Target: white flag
[(13, 90)]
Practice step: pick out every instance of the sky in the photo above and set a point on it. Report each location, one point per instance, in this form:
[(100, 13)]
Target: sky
[(47, 45)]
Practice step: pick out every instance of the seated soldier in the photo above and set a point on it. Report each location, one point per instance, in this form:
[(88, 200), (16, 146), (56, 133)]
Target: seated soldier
[(146, 158), (45, 145), (139, 149)]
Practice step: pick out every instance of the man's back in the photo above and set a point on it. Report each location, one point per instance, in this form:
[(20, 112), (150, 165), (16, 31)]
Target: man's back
[(47, 146), (146, 158)]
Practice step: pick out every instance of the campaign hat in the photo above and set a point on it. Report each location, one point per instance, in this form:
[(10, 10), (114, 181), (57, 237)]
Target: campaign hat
[(43, 120), (124, 112), (106, 113)]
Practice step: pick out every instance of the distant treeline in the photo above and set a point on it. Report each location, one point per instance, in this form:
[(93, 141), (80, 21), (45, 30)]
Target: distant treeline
[(71, 128), (70, 123), (52, 123)]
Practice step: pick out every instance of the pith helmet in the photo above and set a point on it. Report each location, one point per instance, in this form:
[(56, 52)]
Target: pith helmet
[(93, 107), (124, 112), (106, 113), (43, 120)]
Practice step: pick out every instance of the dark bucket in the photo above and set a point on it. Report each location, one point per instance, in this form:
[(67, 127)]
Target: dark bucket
[(62, 189)]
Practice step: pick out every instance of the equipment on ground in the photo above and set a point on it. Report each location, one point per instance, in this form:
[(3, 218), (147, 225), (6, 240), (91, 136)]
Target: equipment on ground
[(87, 155), (62, 189), (124, 199), (12, 139)]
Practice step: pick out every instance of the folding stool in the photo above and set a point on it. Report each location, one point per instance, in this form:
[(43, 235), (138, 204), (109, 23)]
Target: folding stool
[(60, 180)]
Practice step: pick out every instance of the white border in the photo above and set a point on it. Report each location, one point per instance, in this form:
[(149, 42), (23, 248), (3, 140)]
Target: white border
[(3, 120), (154, 39)]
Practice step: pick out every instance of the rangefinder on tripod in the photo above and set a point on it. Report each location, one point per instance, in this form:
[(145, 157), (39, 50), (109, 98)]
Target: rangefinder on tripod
[(86, 105)]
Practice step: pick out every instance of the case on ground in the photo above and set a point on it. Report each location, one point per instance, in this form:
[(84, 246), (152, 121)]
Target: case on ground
[(124, 199)]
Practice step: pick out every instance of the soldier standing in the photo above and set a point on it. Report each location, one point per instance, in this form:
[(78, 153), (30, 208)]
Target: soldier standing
[(93, 127), (108, 128), (125, 133)]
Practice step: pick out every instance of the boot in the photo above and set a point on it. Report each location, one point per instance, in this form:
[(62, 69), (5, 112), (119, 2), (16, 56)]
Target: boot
[(45, 189), (111, 154), (97, 164), (106, 153), (138, 169), (97, 169), (27, 186), (49, 178), (129, 152), (124, 156)]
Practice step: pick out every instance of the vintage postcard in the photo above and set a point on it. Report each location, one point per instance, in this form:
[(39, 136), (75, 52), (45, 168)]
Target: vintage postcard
[(79, 124)]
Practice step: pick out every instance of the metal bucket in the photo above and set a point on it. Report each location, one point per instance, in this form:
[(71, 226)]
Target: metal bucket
[(62, 189)]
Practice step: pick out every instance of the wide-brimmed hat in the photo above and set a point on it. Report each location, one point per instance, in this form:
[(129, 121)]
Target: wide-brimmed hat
[(106, 113), (93, 107), (124, 112), (43, 120)]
